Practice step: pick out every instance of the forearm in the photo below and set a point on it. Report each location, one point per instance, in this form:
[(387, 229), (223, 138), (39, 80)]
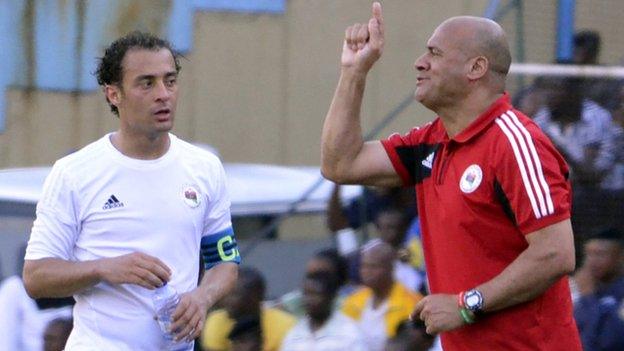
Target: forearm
[(342, 133), (523, 280), (336, 218), (549, 257), (218, 281), (55, 277)]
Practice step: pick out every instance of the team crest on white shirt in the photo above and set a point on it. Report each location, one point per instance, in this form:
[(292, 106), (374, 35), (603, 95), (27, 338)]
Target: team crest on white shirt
[(191, 196), (471, 179)]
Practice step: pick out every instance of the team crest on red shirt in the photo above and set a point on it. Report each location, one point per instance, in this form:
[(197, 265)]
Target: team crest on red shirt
[(471, 179), (191, 196)]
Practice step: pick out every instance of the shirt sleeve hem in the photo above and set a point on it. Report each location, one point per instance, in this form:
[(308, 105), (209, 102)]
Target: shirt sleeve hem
[(396, 162), (544, 222)]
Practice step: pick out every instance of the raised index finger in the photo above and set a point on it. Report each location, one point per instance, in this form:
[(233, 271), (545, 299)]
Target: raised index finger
[(375, 27), (377, 12)]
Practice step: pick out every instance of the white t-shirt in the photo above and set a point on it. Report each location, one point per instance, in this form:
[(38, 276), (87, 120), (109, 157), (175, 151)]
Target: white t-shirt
[(373, 324), (407, 275), (98, 203), (339, 333)]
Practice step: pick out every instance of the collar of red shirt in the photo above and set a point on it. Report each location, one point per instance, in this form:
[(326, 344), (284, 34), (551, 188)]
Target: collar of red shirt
[(497, 108)]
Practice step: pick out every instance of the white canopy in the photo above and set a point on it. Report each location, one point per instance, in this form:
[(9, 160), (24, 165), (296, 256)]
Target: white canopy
[(255, 189)]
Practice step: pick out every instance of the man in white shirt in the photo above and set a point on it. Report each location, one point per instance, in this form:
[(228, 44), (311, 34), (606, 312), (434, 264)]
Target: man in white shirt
[(382, 303), (131, 211), (323, 328)]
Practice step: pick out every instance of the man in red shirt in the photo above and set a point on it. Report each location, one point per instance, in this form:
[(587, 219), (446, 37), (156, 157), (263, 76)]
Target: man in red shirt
[(492, 191)]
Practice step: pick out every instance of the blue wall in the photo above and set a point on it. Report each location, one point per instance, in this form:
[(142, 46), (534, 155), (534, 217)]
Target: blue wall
[(54, 44)]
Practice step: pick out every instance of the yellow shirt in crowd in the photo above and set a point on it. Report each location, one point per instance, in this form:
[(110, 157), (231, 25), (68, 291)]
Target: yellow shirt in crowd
[(401, 303), (275, 325)]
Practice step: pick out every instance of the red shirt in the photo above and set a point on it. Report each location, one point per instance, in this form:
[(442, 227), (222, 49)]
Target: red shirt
[(478, 194)]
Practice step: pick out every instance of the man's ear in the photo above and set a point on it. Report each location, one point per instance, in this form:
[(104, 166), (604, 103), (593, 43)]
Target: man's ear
[(113, 94), (478, 67)]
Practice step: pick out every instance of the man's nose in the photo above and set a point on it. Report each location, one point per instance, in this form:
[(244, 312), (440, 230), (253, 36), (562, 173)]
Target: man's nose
[(162, 92), (420, 63)]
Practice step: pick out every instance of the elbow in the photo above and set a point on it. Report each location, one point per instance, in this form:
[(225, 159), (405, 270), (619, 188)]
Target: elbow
[(561, 262), (30, 282), (568, 264), (332, 174), (567, 260), (331, 169), (339, 173), (33, 292)]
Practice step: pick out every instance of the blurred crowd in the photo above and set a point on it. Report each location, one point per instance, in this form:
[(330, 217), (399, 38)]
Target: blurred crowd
[(584, 118), (358, 294)]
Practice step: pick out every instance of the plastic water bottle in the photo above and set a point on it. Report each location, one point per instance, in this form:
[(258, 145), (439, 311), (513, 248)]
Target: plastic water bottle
[(165, 300)]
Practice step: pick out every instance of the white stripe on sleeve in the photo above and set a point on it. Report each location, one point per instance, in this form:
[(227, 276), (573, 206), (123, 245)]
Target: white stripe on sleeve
[(538, 163), (525, 180), (529, 162)]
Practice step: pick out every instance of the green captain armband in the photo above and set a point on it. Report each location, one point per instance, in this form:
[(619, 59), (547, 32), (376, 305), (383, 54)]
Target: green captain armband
[(219, 247)]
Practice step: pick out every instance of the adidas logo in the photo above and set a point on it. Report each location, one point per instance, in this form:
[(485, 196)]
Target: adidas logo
[(112, 203), (428, 162)]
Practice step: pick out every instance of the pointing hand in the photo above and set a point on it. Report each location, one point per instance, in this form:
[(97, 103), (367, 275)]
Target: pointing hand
[(363, 43)]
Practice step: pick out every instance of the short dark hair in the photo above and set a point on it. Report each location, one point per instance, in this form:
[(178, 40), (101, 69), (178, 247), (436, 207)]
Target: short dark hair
[(610, 233), (246, 326), (332, 256), (327, 280), (252, 281), (588, 39), (110, 71)]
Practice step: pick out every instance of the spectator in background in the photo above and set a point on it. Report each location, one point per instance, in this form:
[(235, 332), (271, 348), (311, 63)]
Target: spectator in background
[(323, 328), (383, 303), (246, 335), (410, 336), (395, 225), (56, 334), (614, 181), (532, 98), (587, 44), (395, 228), (582, 131), (23, 320), (326, 261), (586, 47), (243, 302), (364, 209), (599, 287), (579, 128)]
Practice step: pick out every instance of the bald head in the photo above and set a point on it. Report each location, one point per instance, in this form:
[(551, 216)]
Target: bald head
[(376, 266), (378, 251), (478, 36)]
